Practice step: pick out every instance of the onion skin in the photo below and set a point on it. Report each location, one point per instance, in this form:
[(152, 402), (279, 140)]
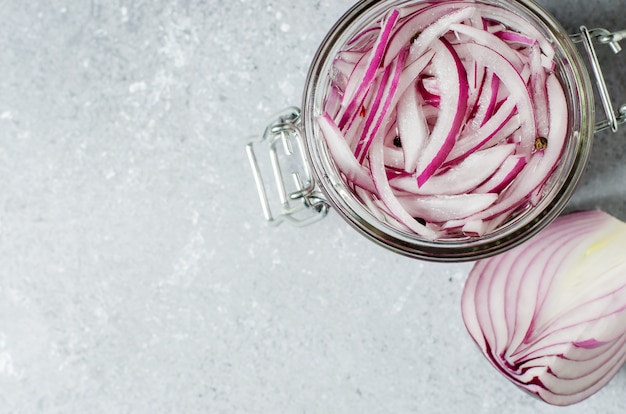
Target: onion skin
[(550, 315)]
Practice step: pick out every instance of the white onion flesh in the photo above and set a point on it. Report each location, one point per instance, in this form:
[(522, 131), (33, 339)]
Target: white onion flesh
[(432, 88), (550, 315)]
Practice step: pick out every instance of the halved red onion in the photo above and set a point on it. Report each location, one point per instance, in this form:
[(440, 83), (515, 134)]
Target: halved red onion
[(550, 314)]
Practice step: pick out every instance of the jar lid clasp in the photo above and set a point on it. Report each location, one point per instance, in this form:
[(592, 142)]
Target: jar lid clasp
[(300, 202), (602, 36)]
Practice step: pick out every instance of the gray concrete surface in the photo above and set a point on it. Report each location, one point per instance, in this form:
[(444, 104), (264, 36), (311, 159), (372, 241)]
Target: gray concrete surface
[(136, 272)]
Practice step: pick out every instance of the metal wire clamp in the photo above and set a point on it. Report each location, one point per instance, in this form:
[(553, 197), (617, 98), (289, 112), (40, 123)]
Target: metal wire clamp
[(300, 203), (602, 36)]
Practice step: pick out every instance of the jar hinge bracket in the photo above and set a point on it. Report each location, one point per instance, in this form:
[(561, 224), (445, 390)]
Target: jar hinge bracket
[(602, 36), (300, 202)]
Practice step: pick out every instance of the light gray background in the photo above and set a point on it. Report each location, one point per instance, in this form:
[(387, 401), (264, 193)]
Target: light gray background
[(136, 272)]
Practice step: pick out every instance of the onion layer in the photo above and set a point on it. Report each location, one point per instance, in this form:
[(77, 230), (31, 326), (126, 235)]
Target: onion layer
[(550, 315)]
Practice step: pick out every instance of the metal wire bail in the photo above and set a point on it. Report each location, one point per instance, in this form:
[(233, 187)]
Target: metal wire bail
[(300, 203), (603, 36)]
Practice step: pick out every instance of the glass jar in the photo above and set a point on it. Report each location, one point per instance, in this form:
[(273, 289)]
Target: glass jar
[(320, 185)]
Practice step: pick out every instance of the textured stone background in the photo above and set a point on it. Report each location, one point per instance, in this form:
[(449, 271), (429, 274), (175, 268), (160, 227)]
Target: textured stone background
[(136, 272)]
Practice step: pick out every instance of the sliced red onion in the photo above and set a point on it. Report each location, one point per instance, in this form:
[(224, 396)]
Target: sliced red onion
[(428, 96), (474, 228), (436, 29), (372, 67), (454, 93), (550, 315), (343, 156), (355, 77), (515, 37), (475, 139), (538, 91), (443, 207), (394, 159), (417, 23), (362, 39), (486, 101), (542, 163), (412, 127), (485, 38), (387, 196), (548, 63), (461, 178), (435, 87), (370, 203), (394, 156), (414, 9), (507, 172), (373, 115), (475, 79), (430, 86), (479, 227), (515, 85), (410, 73), (516, 23), (391, 86)]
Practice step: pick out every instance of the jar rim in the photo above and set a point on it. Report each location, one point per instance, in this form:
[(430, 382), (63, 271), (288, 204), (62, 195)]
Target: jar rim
[(572, 72)]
